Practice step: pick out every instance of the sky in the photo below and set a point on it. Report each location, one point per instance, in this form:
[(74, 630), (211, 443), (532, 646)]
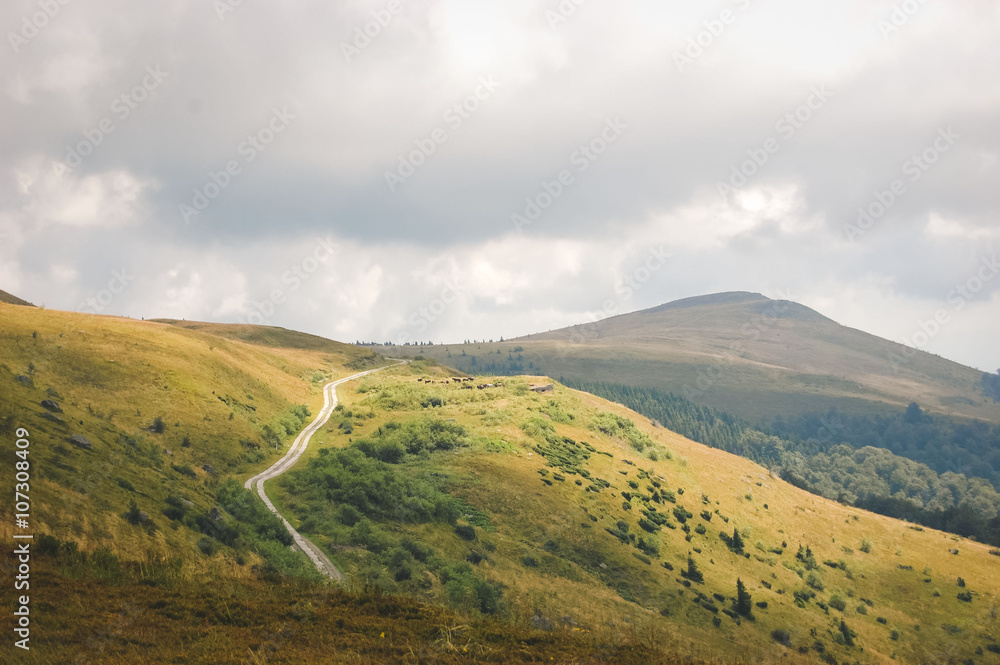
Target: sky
[(450, 170)]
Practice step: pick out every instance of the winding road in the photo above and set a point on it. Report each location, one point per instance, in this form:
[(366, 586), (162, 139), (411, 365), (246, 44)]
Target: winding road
[(315, 554)]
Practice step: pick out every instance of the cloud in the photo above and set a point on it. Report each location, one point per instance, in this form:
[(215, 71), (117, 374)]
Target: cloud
[(560, 80)]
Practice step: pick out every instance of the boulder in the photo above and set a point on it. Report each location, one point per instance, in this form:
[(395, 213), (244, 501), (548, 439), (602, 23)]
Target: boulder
[(215, 514), (25, 380), (80, 441), (209, 469), (51, 416), (51, 406), (540, 622)]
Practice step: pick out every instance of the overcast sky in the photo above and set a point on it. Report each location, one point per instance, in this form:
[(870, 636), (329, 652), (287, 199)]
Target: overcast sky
[(239, 161)]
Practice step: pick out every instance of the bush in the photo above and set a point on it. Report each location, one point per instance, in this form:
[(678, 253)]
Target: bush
[(965, 597), (815, 580), (781, 636), (158, 426), (184, 469), (838, 603), (866, 546), (465, 531)]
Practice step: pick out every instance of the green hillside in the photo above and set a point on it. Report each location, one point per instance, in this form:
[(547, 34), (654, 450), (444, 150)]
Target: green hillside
[(476, 521), (743, 353), (13, 300)]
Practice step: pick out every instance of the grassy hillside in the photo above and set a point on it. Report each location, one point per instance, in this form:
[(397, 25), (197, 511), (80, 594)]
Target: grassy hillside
[(492, 525), (743, 353), (166, 412), (13, 300), (568, 512)]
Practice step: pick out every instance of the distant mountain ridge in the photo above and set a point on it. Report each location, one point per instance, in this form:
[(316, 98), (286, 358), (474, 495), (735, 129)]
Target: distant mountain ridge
[(744, 353), (11, 299)]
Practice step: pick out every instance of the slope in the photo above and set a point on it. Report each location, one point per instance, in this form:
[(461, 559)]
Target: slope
[(11, 299), (564, 511), (743, 353)]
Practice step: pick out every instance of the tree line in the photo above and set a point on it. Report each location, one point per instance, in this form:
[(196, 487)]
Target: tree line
[(830, 456)]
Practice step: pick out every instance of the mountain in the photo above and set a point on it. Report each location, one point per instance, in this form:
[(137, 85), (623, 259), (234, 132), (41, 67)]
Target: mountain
[(13, 300), (743, 353), (492, 520)]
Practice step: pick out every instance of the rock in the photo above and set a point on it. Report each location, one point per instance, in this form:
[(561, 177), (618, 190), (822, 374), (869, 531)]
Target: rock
[(187, 504), (143, 517), (568, 621), (952, 551), (540, 622), (51, 416), (215, 514), (167, 451), (25, 380), (80, 441), (51, 392), (209, 469), (51, 406)]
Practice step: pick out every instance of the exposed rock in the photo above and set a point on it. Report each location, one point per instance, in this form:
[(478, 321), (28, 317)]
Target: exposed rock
[(51, 406), (209, 469), (143, 517), (952, 551), (540, 622), (80, 441), (25, 380), (215, 514), (568, 621), (187, 504), (51, 416), (51, 392)]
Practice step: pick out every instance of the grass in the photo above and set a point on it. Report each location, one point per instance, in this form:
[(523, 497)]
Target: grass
[(599, 561), (788, 360), (585, 567)]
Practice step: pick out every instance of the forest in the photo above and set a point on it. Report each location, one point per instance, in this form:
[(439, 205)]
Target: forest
[(860, 461)]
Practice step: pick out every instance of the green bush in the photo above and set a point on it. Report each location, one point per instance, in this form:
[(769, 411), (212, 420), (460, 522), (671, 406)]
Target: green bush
[(465, 531), (838, 603)]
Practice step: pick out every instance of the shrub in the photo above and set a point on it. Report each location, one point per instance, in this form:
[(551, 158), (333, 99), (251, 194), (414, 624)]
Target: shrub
[(815, 580), (184, 469), (465, 531), (866, 546), (158, 426), (965, 597), (530, 561), (781, 636), (838, 603), (861, 609)]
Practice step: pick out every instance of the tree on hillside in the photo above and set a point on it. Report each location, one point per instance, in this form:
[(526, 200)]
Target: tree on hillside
[(737, 541), (692, 573), (744, 606), (914, 414)]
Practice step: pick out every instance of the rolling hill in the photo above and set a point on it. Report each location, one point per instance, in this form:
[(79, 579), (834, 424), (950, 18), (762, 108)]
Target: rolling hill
[(485, 525), (13, 300), (745, 354)]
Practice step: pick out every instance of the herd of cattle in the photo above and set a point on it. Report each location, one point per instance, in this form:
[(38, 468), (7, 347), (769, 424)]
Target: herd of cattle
[(466, 383)]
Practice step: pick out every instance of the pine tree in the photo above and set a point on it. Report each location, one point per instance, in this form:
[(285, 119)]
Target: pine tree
[(744, 606), (692, 573), (737, 541)]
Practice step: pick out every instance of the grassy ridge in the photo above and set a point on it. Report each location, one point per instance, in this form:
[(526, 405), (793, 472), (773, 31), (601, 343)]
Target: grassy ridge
[(742, 353), (167, 412)]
